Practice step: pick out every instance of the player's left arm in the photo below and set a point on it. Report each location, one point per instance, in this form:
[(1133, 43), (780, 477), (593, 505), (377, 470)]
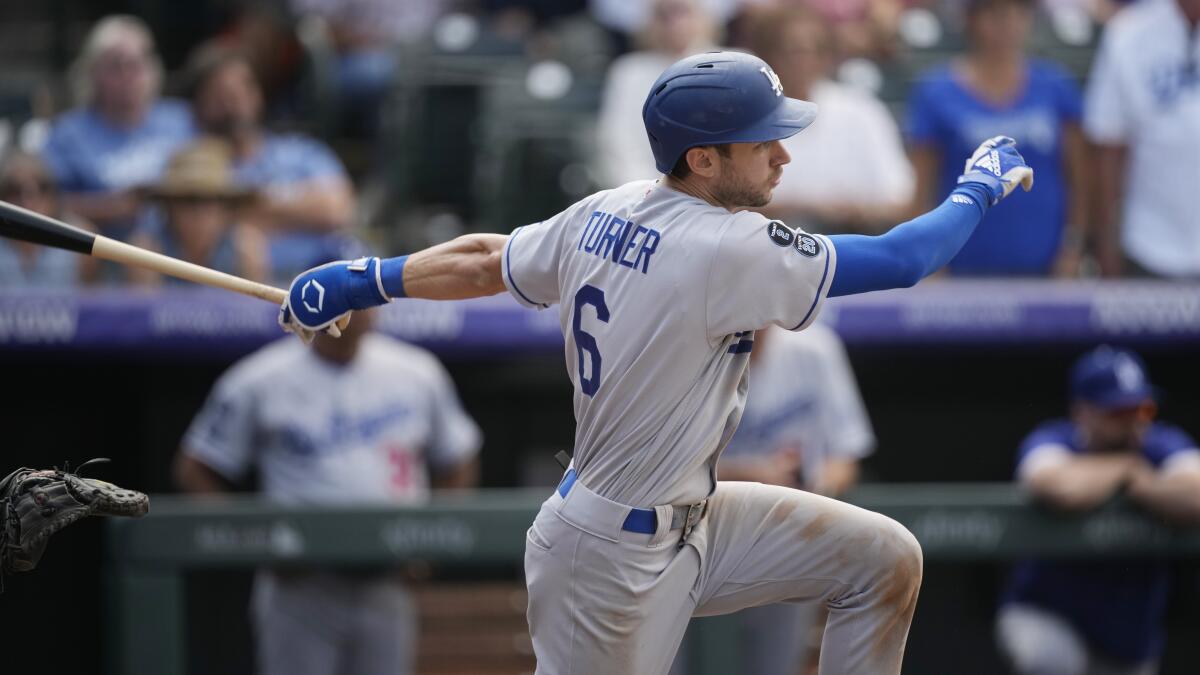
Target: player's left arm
[(1173, 490), (913, 250), (466, 267)]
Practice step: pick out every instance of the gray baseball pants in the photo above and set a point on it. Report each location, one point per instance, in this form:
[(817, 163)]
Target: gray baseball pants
[(603, 600), (326, 624)]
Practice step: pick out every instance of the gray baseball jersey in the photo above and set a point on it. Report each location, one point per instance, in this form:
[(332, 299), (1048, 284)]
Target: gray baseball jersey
[(323, 433), (659, 294)]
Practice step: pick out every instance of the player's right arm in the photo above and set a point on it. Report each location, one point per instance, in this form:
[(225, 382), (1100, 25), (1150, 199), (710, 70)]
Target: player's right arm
[(471, 266), (466, 267)]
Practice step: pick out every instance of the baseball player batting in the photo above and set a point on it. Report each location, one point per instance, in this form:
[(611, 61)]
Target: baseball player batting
[(660, 286)]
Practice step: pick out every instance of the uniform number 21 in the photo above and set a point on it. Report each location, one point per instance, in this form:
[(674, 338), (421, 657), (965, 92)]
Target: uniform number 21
[(586, 342)]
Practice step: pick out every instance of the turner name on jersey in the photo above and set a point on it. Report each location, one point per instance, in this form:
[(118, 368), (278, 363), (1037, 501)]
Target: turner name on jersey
[(619, 241)]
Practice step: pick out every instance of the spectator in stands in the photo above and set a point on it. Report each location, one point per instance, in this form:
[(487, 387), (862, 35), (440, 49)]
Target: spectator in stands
[(630, 22), (807, 432), (849, 171), (121, 134), (199, 216), (1143, 114), (361, 418), (996, 89), (860, 28), (364, 36), (304, 190), (25, 181), (676, 28), (1093, 618)]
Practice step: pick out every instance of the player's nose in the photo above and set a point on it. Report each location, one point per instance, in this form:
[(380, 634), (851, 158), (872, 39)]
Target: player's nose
[(779, 154)]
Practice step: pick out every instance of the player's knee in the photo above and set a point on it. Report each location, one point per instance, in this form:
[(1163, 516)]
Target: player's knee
[(900, 557)]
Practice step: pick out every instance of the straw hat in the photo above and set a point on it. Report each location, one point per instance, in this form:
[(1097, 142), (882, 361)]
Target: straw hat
[(203, 170)]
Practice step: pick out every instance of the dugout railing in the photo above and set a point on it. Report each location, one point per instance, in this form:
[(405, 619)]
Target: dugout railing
[(148, 558)]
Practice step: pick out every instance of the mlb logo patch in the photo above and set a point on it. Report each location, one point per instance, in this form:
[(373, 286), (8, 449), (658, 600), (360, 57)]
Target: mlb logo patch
[(780, 234), (808, 245)]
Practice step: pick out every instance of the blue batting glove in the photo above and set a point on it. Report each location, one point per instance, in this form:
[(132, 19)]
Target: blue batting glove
[(321, 298), (997, 166)]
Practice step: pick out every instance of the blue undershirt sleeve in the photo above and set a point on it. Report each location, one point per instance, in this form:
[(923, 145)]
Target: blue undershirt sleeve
[(910, 251)]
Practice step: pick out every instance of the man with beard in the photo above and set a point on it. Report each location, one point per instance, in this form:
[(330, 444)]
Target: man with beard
[(305, 193), (1087, 617)]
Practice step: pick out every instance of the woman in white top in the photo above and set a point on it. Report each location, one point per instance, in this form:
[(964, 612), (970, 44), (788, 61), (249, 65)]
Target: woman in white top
[(677, 28)]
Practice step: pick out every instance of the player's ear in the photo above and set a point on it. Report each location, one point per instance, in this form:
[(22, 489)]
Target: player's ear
[(702, 160)]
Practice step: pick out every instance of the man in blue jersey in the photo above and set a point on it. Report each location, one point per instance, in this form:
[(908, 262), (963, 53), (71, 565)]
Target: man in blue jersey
[(1087, 617)]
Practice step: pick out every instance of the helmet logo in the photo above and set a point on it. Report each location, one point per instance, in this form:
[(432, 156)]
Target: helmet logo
[(773, 78)]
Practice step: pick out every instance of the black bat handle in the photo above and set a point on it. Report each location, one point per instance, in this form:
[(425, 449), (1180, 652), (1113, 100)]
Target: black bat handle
[(24, 225)]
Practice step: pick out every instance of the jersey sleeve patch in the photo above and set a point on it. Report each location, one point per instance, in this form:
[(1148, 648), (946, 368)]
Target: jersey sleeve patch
[(780, 234), (808, 245)]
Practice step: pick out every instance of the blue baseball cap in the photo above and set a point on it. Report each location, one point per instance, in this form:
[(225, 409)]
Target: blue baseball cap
[(1111, 377)]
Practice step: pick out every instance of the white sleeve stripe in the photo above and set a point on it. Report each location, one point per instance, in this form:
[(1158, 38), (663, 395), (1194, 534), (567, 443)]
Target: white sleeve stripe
[(822, 291), (379, 279), (508, 271), (1042, 456), (1184, 460)]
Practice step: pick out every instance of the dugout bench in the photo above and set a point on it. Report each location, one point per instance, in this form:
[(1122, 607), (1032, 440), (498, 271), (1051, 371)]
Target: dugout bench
[(146, 626)]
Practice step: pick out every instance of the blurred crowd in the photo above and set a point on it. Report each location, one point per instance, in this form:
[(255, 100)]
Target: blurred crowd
[(297, 127)]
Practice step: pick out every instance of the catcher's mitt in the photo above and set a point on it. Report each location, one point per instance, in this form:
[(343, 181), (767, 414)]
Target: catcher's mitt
[(36, 504)]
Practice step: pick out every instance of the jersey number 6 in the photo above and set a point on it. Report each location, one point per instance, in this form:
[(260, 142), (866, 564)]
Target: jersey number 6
[(584, 341)]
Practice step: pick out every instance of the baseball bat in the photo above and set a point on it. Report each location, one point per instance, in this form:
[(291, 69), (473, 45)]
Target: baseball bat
[(25, 225)]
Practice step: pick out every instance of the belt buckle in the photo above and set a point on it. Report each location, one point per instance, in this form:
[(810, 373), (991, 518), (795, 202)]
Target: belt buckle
[(694, 513)]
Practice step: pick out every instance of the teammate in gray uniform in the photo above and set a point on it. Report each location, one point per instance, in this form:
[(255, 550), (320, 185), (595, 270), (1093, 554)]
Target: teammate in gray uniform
[(361, 419), (660, 286)]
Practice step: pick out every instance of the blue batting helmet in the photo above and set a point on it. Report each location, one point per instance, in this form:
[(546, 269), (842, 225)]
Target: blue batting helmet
[(715, 98)]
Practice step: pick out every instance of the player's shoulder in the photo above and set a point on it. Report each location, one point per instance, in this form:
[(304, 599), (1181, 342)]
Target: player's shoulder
[(753, 232), (622, 199), (1168, 437), (387, 355), (266, 364), (610, 197), (632, 191)]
